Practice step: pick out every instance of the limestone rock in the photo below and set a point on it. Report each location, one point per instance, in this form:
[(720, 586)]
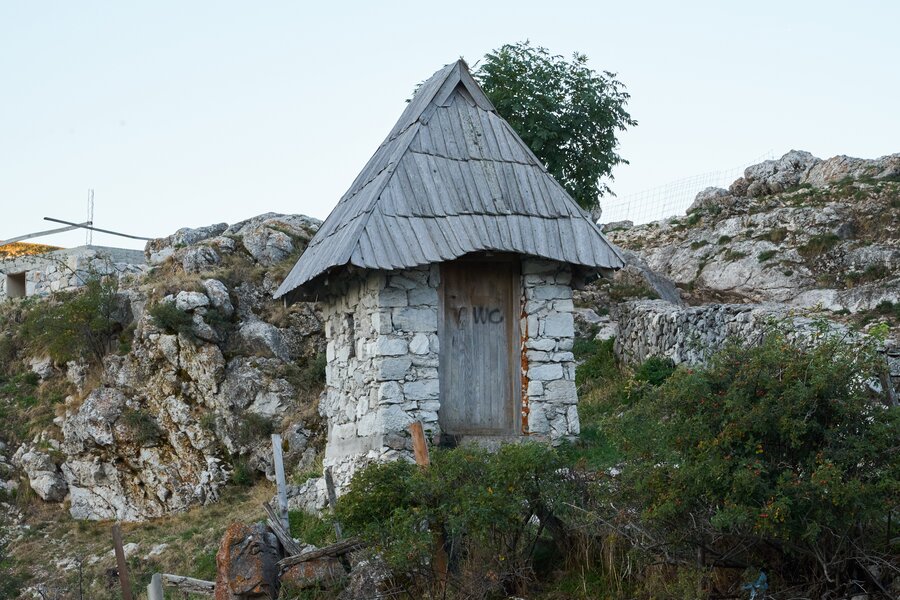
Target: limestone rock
[(42, 366), (160, 249), (262, 339), (842, 167), (44, 476), (198, 259), (775, 176), (616, 226), (708, 197), (188, 301), (218, 296)]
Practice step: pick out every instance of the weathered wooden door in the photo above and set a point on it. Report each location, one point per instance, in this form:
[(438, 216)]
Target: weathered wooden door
[(480, 346)]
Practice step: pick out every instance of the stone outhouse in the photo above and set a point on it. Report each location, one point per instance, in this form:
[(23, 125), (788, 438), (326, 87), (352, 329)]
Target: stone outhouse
[(445, 274)]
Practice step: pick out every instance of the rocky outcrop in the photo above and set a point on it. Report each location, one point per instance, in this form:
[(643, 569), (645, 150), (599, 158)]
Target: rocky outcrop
[(268, 239), (799, 230), (163, 426)]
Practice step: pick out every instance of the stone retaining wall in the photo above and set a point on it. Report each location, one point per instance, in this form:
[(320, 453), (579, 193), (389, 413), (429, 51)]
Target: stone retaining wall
[(692, 334)]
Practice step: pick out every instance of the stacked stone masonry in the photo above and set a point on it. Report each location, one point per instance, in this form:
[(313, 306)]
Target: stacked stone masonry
[(383, 358), (692, 334)]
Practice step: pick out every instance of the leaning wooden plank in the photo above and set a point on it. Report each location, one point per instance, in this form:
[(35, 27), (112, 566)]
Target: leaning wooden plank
[(280, 480), (121, 565), (332, 501), (155, 589), (336, 549), (189, 585), (291, 547)]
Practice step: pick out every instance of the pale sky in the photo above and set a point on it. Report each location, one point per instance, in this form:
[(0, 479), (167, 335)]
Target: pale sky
[(190, 113)]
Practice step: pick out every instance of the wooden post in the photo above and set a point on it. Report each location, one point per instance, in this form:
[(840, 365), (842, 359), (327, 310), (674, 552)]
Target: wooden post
[(332, 502), (155, 589), (420, 450), (279, 479), (120, 562)]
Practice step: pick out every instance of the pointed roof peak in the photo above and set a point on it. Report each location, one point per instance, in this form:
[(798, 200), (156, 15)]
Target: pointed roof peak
[(452, 177)]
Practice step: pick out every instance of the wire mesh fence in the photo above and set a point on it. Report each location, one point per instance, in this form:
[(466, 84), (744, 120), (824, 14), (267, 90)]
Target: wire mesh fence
[(670, 199)]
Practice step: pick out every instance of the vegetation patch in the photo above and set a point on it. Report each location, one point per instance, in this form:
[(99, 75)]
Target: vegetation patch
[(870, 273), (77, 325), (766, 255), (143, 426), (733, 255), (170, 319), (818, 245), (622, 290)]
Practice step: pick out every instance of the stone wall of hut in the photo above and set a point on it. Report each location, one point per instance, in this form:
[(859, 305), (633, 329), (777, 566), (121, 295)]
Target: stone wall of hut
[(383, 357)]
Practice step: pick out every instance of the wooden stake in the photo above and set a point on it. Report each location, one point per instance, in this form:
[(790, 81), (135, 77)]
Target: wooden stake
[(279, 479), (120, 562), (332, 502), (420, 448), (155, 589)]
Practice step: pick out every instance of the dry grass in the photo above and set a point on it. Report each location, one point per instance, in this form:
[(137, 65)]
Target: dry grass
[(192, 539)]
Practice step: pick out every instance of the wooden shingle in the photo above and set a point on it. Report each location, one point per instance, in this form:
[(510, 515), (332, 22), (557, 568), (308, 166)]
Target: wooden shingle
[(451, 178)]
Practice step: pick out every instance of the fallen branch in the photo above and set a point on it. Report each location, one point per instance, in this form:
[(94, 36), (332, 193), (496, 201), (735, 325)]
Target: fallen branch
[(189, 585), (337, 549), (291, 548)]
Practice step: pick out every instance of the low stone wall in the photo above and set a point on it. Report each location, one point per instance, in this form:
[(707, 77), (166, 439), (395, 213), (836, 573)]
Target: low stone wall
[(70, 268), (692, 334)]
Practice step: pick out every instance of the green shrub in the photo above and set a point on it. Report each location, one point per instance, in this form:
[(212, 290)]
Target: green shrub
[(241, 473), (623, 290), (766, 255), (724, 239), (655, 370), (484, 504), (170, 319), (870, 273), (776, 236), (599, 366), (75, 325), (732, 255), (775, 450), (698, 244), (313, 373), (310, 529)]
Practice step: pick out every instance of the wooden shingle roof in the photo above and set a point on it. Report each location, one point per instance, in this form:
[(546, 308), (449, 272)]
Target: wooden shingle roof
[(452, 177)]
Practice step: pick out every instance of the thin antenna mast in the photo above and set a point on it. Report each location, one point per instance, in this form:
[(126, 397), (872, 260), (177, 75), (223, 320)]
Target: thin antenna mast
[(89, 233)]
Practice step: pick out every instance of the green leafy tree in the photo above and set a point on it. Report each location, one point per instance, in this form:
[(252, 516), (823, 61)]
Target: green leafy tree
[(565, 111)]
